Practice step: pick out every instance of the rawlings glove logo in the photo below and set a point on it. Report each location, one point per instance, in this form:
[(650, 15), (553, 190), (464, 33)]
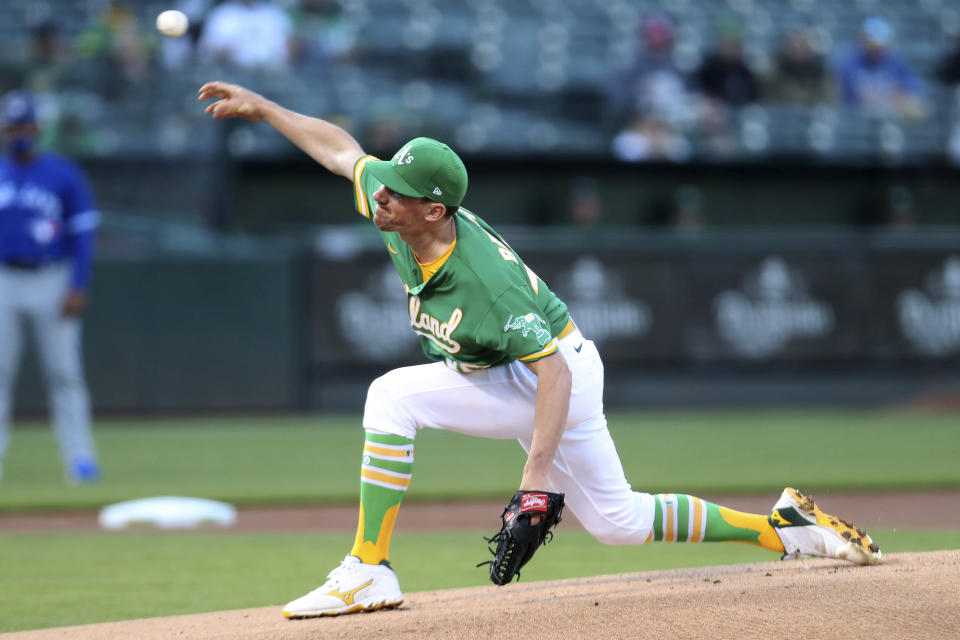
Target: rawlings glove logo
[(533, 502)]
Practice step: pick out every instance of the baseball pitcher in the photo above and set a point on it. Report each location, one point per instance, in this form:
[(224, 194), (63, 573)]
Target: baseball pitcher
[(47, 220), (508, 362)]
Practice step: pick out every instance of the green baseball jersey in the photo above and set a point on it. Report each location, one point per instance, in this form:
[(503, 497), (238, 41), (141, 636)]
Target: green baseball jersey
[(483, 307)]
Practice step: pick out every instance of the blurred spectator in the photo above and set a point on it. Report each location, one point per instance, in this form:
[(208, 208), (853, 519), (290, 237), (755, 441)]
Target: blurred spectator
[(876, 79), (47, 59), (948, 70), (39, 65), (902, 212), (714, 136), (799, 75), (654, 85), (891, 208), (681, 210), (688, 214), (327, 35), (43, 72), (576, 202), (652, 99), (724, 75), (116, 40), (248, 34), (388, 127), (585, 206), (649, 138)]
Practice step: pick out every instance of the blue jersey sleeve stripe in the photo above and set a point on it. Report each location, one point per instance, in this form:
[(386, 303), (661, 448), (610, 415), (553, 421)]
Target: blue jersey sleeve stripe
[(82, 260)]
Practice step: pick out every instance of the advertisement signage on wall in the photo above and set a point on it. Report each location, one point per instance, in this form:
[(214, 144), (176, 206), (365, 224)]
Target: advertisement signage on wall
[(929, 314), (602, 306), (771, 309), (746, 308), (373, 319)]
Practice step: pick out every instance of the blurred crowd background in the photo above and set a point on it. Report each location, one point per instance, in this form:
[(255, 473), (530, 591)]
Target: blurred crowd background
[(716, 82), (649, 157), (643, 80)]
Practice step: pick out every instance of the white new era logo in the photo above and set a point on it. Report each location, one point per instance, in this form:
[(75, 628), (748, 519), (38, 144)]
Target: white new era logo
[(437, 192)]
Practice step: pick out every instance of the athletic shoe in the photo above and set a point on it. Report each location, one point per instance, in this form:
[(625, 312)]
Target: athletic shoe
[(805, 530), (83, 471), (351, 587)]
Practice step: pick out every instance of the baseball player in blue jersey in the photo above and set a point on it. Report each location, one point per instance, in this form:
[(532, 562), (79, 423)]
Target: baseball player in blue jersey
[(47, 222)]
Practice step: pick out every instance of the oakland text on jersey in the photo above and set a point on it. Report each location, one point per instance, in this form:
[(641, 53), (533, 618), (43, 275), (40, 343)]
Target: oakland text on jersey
[(438, 332)]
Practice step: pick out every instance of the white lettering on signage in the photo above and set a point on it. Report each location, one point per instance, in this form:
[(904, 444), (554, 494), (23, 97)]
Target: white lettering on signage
[(930, 319), (773, 309), (599, 302), (371, 318)]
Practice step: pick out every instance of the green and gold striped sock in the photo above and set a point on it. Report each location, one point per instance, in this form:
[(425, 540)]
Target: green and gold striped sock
[(683, 518), (384, 478)]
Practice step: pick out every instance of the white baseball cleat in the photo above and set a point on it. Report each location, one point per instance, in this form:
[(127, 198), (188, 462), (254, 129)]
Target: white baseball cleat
[(350, 588), (805, 530)]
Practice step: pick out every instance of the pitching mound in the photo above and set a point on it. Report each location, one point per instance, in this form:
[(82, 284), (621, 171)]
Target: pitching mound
[(909, 596)]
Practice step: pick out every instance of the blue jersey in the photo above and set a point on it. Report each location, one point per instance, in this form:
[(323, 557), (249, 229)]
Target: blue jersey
[(47, 214)]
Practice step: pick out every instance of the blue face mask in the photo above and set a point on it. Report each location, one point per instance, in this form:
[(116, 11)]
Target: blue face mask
[(22, 145)]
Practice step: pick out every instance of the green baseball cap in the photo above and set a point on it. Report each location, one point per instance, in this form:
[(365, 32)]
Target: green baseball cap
[(424, 168)]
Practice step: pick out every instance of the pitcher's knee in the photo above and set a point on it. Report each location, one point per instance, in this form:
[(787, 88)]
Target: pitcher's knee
[(385, 408), (381, 393), (612, 534), (628, 520)]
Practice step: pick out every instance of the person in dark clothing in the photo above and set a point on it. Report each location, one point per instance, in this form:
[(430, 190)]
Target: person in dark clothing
[(724, 75)]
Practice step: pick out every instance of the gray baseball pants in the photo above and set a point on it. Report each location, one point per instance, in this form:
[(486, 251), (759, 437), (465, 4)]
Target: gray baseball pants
[(34, 297)]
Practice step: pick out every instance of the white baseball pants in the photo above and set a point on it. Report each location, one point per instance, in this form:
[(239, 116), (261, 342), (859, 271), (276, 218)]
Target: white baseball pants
[(499, 403), (37, 297)]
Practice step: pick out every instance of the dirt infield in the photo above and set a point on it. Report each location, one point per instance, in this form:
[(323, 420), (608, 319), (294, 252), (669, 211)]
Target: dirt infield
[(888, 509), (909, 596)]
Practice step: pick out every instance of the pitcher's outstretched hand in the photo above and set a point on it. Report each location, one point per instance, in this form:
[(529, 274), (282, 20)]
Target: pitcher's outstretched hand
[(233, 101)]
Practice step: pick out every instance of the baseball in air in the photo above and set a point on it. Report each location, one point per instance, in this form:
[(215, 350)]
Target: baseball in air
[(172, 23)]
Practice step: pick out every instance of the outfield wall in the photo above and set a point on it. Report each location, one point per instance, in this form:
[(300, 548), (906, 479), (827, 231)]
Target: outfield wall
[(179, 333), (744, 317)]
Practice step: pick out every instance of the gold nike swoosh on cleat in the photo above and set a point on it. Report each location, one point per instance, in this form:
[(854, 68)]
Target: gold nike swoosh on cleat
[(348, 596)]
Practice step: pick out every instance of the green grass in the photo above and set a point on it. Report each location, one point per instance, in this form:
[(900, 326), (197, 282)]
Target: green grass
[(55, 579), (52, 579), (261, 460)]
